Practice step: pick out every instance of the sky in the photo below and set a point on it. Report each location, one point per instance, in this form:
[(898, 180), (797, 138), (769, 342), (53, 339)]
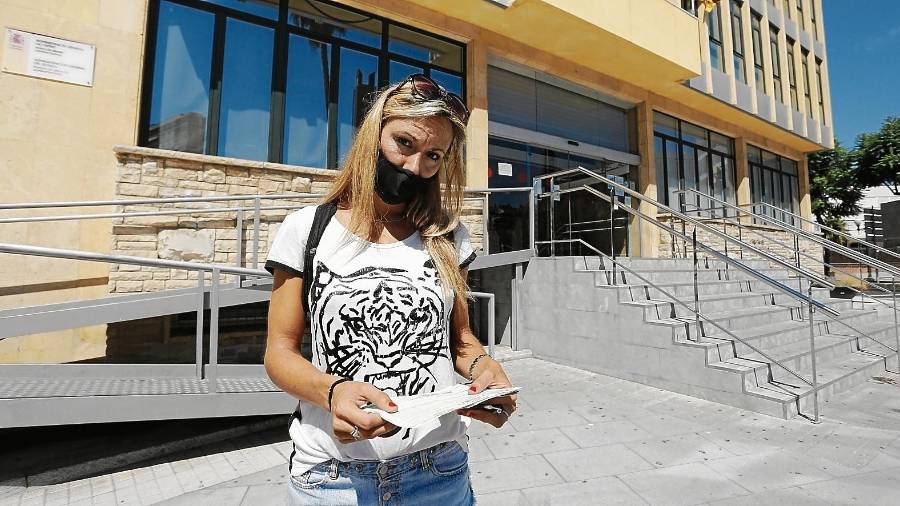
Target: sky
[(862, 40)]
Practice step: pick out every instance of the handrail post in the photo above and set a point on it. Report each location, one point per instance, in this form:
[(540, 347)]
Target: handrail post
[(532, 211), (212, 372), (612, 244), (552, 198), (797, 263), (683, 208), (812, 349), (256, 233), (198, 354), (239, 242), (696, 288), (740, 237), (896, 327)]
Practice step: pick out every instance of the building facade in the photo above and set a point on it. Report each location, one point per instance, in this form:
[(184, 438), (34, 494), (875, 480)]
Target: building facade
[(219, 97)]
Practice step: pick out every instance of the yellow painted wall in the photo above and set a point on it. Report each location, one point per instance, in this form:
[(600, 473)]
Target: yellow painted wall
[(56, 144)]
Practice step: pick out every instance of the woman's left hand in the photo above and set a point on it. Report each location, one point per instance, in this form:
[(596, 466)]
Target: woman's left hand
[(491, 376)]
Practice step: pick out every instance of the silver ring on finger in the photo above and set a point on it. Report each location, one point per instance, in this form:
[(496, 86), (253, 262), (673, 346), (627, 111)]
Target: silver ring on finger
[(355, 433)]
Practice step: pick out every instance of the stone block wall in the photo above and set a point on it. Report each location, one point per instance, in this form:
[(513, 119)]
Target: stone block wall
[(210, 237), (759, 236)]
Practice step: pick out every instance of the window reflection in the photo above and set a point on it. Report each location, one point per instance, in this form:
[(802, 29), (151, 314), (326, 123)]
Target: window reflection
[(356, 85), (400, 71), (425, 48), (246, 91), (264, 8), (306, 102), (331, 21), (180, 98), (450, 82)]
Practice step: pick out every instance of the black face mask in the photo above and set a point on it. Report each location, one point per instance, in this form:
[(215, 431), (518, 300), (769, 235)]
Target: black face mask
[(396, 185)]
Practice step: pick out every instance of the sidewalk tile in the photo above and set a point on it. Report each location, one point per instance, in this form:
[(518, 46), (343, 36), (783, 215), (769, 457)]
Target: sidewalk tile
[(511, 474), (596, 462), (681, 485), (606, 491)]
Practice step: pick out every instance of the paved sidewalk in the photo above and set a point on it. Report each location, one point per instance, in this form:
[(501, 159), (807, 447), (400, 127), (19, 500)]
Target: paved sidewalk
[(579, 438)]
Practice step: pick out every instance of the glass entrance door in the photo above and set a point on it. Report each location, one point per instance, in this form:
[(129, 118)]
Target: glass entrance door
[(572, 215)]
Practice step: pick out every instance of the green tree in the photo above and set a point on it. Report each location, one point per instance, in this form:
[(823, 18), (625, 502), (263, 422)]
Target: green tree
[(878, 156), (835, 188)]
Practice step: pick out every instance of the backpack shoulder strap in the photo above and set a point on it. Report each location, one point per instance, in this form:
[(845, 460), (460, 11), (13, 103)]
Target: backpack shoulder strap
[(324, 212)]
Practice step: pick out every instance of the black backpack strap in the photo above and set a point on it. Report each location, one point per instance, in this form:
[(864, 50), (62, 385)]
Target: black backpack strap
[(324, 212)]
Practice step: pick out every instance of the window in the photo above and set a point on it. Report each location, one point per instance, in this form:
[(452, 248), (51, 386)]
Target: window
[(804, 67), (759, 70), (786, 7), (714, 27), (821, 93), (812, 18), (800, 18), (792, 75), (276, 80), (689, 156), (737, 38), (690, 6), (776, 61), (773, 180)]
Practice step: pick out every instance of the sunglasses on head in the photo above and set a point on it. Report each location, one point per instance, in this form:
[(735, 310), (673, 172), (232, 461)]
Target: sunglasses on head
[(425, 88)]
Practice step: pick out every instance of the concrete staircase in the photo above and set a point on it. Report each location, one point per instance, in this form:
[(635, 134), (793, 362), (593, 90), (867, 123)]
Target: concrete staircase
[(632, 330)]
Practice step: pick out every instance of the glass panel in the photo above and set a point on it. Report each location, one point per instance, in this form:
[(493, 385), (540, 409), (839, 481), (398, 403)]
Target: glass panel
[(425, 48), (306, 102), (179, 101), (356, 84), (703, 176), (665, 124), (730, 176), (715, 56), (246, 91), (672, 166), (756, 183), (789, 166), (508, 225), (718, 170), (769, 159), (795, 196), (511, 98), (721, 143), (690, 180), (786, 192), (660, 169), (330, 21), (754, 154), (264, 8), (449, 81), (400, 71), (694, 133), (739, 69)]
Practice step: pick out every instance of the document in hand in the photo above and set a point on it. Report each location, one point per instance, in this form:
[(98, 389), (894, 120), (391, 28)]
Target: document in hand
[(415, 410)]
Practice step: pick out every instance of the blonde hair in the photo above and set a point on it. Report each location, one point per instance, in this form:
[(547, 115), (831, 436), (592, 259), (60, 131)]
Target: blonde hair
[(435, 211)]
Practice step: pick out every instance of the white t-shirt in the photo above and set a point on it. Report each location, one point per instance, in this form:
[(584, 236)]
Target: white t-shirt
[(378, 315)]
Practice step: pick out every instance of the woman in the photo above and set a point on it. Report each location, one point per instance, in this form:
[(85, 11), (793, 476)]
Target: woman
[(388, 313)]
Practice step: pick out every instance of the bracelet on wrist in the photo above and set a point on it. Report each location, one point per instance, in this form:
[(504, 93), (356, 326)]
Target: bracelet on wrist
[(331, 389), (474, 363)]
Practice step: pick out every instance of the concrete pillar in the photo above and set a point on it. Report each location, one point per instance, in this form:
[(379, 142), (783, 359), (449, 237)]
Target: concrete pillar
[(477, 128), (649, 235), (742, 175), (805, 199)]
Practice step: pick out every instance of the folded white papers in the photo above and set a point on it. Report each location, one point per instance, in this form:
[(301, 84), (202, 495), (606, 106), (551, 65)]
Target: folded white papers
[(415, 410)]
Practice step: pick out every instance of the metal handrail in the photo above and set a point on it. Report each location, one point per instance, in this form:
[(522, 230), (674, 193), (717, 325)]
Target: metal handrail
[(679, 215), (826, 228), (797, 251), (781, 224), (681, 303), (831, 313)]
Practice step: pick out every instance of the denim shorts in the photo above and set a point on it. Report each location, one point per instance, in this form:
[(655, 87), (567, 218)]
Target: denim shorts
[(436, 475)]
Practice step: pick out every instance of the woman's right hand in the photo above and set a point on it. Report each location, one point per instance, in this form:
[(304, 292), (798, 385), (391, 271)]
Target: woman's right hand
[(347, 399)]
